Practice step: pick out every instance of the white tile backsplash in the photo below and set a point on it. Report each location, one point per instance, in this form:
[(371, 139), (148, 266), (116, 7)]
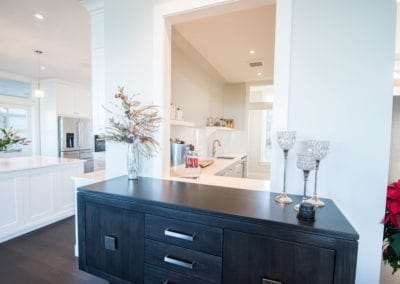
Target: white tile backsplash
[(232, 141)]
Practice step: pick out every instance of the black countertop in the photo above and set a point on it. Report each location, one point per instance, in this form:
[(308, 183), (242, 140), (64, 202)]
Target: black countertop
[(256, 206)]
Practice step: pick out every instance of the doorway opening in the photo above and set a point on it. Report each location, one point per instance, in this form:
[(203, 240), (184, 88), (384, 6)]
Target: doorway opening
[(221, 92)]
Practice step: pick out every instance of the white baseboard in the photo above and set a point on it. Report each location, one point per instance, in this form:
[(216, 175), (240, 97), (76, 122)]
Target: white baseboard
[(26, 228)]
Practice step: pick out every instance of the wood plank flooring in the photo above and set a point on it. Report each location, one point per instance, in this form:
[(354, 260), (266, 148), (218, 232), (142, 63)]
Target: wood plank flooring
[(43, 256)]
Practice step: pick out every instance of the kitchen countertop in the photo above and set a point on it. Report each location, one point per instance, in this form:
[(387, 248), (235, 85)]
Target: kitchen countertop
[(33, 162), (208, 175), (220, 164)]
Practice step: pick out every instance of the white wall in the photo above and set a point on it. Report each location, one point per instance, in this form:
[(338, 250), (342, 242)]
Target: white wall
[(234, 104), (340, 90), (196, 87), (128, 43), (98, 70)]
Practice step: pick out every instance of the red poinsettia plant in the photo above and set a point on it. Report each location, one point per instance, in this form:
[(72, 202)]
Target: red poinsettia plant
[(391, 237)]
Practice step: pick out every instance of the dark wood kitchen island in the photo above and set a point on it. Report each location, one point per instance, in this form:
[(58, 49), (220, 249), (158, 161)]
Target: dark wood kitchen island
[(160, 231)]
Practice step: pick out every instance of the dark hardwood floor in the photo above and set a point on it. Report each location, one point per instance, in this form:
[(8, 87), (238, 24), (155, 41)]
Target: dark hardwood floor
[(43, 256)]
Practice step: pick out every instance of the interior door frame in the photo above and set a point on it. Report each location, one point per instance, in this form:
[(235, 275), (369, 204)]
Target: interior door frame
[(162, 71)]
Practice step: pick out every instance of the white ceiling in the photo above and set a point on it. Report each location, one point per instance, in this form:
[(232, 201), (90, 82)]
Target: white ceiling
[(225, 41), (64, 38)]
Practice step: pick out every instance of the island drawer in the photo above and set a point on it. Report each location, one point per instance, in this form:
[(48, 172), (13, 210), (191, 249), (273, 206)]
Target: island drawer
[(154, 275), (194, 236), (188, 262)]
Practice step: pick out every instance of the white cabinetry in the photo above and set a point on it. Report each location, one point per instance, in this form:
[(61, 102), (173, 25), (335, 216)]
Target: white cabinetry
[(236, 169), (99, 161), (73, 100), (33, 198), (11, 209)]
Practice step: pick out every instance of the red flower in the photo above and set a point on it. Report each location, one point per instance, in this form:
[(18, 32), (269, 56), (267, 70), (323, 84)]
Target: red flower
[(393, 204)]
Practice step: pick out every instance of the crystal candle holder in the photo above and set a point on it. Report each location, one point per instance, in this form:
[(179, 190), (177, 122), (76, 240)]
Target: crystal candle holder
[(307, 163), (286, 140), (319, 150)]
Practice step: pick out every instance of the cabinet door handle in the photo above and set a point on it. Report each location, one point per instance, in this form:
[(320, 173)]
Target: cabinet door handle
[(179, 235), (269, 281), (182, 263)]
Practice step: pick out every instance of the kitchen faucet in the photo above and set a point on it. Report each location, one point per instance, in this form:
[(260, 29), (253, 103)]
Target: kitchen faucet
[(214, 147)]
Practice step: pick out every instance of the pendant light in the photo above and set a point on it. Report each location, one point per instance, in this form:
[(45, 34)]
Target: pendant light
[(38, 91)]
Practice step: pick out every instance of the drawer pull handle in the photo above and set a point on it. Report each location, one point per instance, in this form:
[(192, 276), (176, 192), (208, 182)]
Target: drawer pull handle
[(178, 235), (269, 281), (178, 262)]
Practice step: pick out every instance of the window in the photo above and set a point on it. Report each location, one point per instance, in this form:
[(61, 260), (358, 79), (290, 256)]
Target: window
[(266, 136), (260, 103), (14, 88), (18, 119), (261, 94)]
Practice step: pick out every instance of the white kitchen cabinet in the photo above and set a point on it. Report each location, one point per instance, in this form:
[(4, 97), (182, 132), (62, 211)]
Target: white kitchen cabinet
[(11, 209), (99, 159), (65, 99), (236, 169), (83, 103), (36, 197), (73, 100)]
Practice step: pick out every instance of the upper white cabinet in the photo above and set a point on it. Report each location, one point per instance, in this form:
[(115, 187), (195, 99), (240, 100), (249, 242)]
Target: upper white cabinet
[(83, 103), (73, 100)]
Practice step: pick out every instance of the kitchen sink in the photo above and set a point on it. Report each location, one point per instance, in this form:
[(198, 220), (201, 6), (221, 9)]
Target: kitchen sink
[(225, 157)]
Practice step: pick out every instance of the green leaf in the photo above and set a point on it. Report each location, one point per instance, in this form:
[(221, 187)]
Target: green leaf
[(395, 244)]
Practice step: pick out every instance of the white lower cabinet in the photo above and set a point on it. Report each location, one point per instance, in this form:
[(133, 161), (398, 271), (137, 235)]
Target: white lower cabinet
[(34, 198), (11, 216)]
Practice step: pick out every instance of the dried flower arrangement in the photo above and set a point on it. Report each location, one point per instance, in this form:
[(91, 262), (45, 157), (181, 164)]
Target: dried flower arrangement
[(8, 137), (134, 123)]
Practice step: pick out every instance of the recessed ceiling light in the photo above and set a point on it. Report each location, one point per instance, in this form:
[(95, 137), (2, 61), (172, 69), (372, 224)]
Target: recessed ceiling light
[(42, 67), (39, 16), (259, 74), (252, 51)]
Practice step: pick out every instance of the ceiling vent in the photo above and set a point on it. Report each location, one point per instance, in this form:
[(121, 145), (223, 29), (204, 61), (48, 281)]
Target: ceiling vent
[(256, 63)]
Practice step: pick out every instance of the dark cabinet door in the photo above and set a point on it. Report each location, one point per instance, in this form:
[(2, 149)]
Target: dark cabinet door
[(114, 240), (261, 260)]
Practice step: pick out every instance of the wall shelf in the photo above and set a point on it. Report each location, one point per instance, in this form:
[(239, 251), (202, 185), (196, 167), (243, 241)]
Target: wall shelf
[(182, 123)]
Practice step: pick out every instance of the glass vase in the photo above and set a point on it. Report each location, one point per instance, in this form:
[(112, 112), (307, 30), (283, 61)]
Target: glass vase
[(307, 163), (286, 140), (319, 150), (132, 161)]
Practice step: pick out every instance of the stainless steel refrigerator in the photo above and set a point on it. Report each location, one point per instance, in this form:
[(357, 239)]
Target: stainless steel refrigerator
[(75, 140)]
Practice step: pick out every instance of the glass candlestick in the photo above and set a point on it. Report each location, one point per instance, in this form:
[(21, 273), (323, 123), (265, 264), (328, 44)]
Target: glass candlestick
[(319, 150), (286, 140), (307, 163)]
